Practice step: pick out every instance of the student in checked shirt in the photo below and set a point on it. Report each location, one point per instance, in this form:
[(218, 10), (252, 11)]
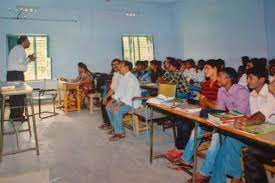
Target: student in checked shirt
[(229, 96), (262, 106), (175, 77)]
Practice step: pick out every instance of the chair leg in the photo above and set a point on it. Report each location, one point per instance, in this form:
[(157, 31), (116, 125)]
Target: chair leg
[(91, 103), (136, 124), (28, 119), (174, 131)]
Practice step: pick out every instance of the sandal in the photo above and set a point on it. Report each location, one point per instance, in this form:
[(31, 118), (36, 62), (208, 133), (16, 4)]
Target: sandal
[(117, 137), (181, 163), (105, 127)]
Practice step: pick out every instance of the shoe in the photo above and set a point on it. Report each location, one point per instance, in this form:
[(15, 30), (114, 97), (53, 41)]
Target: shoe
[(117, 137), (171, 155), (181, 163), (111, 132), (199, 179), (105, 127)]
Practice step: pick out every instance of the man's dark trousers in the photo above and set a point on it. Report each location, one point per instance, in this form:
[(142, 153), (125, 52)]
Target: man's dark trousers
[(18, 100)]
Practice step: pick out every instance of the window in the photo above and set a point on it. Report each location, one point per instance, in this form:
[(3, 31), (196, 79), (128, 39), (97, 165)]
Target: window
[(41, 68), (137, 47)]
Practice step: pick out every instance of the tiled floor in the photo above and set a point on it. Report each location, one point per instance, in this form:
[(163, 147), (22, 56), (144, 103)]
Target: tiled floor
[(74, 150)]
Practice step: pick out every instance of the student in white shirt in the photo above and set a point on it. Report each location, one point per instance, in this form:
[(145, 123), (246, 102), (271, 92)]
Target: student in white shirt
[(107, 97), (200, 71), (17, 64), (190, 72), (128, 87), (249, 65)]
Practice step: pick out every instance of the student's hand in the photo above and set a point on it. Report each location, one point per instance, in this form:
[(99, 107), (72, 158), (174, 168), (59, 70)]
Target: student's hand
[(116, 107), (109, 103), (32, 57), (105, 101), (241, 123)]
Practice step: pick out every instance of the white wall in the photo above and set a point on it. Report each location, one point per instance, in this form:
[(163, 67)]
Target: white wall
[(96, 38), (225, 29), (270, 26)]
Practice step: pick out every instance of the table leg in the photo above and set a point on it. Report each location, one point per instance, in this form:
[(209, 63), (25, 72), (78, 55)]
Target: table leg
[(195, 152), (151, 135), (2, 126), (34, 127)]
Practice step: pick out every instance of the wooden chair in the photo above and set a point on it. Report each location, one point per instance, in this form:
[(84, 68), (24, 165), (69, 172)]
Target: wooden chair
[(92, 98), (138, 121), (71, 87)]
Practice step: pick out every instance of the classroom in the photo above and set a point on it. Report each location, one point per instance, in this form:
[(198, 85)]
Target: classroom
[(139, 91)]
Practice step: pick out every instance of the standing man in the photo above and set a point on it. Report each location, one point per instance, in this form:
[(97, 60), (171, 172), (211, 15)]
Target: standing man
[(17, 64)]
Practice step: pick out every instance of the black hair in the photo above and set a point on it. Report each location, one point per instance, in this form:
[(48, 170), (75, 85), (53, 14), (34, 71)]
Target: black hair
[(21, 39), (153, 62), (174, 64), (260, 72), (213, 63), (272, 61), (138, 62), (221, 63), (245, 58), (232, 74), (201, 62), (191, 61), (83, 66), (170, 59), (116, 60), (127, 64)]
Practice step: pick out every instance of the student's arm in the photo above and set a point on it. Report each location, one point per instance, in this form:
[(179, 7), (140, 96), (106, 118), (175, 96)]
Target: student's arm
[(255, 119), (207, 103), (109, 94)]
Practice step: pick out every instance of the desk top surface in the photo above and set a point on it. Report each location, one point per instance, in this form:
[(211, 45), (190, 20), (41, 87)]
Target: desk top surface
[(264, 138), (20, 88)]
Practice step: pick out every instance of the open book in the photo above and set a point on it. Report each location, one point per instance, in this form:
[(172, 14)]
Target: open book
[(261, 128)]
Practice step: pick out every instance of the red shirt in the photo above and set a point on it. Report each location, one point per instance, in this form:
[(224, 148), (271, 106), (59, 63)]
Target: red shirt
[(210, 92)]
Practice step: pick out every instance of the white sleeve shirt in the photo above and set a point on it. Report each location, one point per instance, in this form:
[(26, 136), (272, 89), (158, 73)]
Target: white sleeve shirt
[(263, 102), (128, 88), (17, 59)]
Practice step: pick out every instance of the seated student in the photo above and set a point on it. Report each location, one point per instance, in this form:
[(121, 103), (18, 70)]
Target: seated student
[(255, 157), (182, 66), (127, 88), (143, 75), (208, 97), (242, 69), (221, 63), (262, 107), (166, 63), (249, 65), (229, 96), (175, 77), (200, 72), (209, 88), (111, 91), (190, 72), (156, 70), (271, 70), (85, 80)]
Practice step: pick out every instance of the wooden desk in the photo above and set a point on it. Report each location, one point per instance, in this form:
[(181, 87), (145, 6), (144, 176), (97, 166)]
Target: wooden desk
[(64, 87), (149, 86), (267, 139), (21, 88)]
